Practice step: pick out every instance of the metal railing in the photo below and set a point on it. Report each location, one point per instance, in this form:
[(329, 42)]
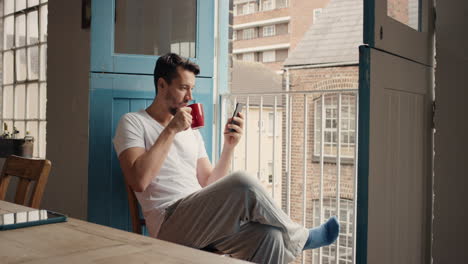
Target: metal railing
[(313, 137)]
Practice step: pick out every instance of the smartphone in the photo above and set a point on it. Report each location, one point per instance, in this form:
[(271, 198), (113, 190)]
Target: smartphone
[(236, 111)]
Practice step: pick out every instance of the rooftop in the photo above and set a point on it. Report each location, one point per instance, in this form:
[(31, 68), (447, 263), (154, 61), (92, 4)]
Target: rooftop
[(333, 38)]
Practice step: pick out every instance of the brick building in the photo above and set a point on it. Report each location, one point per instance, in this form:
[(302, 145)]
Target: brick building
[(326, 61), (268, 30)]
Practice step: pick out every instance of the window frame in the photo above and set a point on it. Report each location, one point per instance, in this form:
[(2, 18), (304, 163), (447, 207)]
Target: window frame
[(269, 31), (351, 130), (249, 33), (271, 57), (23, 101)]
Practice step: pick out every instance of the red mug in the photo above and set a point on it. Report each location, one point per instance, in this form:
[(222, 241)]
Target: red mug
[(198, 117)]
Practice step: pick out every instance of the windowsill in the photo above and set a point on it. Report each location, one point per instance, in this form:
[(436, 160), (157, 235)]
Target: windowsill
[(328, 159)]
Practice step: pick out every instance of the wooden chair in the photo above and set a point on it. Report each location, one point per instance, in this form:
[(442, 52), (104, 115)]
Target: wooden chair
[(28, 171), (137, 222)]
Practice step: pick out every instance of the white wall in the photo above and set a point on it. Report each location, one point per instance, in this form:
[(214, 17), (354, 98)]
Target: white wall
[(67, 109), (451, 141)]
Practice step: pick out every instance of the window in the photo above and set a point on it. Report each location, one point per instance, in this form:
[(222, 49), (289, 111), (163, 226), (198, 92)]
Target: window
[(348, 125), (281, 3), (185, 49), (234, 35), (245, 9), (23, 88), (269, 31), (269, 56), (249, 33), (248, 56), (270, 172), (346, 230), (317, 12), (271, 123), (267, 5)]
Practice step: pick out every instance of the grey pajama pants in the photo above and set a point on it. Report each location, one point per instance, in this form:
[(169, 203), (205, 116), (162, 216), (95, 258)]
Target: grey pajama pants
[(237, 216)]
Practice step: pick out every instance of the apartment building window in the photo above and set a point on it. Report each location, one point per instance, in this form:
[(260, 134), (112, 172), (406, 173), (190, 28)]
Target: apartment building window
[(267, 5), (271, 123), (234, 35), (317, 12), (268, 31), (244, 9), (248, 56), (269, 56), (346, 230), (24, 54), (249, 33), (270, 172), (348, 126), (281, 3)]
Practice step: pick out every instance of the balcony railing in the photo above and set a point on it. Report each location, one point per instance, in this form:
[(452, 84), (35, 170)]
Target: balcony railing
[(302, 146)]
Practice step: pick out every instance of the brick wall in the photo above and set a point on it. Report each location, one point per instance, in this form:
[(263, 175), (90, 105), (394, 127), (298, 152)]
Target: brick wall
[(310, 80)]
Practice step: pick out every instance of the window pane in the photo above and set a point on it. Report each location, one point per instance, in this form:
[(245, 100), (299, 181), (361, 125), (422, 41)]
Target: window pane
[(8, 6), (33, 2), (151, 27), (43, 64), (33, 63), (404, 11), (43, 23), (33, 30), (32, 101), (42, 139), (20, 102), (8, 66), (32, 128), (20, 33), (7, 102), (269, 56), (20, 5), (20, 126), (8, 35), (20, 65), (42, 100)]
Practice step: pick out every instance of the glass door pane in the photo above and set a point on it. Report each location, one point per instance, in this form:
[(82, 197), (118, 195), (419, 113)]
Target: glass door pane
[(404, 11), (150, 27)]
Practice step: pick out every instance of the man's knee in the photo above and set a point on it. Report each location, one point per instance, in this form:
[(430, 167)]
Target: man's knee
[(243, 180)]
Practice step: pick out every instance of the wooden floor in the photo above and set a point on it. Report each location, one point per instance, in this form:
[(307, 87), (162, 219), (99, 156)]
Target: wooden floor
[(78, 241)]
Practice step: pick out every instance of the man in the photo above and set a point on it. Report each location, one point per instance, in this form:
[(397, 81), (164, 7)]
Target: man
[(187, 201)]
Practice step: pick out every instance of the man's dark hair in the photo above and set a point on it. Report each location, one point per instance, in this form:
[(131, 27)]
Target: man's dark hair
[(166, 68)]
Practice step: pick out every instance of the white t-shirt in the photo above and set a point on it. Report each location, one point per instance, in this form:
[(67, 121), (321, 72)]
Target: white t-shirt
[(177, 177)]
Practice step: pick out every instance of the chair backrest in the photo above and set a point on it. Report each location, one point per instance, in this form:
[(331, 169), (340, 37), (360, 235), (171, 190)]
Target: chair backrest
[(28, 171), (137, 222)]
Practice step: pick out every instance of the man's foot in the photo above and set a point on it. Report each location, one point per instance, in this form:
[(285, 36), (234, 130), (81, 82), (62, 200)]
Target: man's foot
[(323, 235)]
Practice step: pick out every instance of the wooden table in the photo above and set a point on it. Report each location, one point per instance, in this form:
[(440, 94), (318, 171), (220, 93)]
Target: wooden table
[(78, 241)]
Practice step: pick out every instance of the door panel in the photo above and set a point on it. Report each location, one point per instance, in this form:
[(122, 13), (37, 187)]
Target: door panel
[(386, 33), (399, 157), (105, 59), (112, 96)]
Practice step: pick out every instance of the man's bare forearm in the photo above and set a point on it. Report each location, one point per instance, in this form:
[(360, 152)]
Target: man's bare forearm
[(222, 166), (147, 166)]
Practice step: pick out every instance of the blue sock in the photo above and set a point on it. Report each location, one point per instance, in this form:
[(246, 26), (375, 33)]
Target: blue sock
[(323, 235)]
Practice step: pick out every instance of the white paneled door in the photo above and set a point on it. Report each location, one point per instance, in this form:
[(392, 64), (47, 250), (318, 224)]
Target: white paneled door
[(395, 133)]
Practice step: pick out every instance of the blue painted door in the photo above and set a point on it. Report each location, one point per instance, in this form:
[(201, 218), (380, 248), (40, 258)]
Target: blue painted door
[(395, 133), (123, 82)]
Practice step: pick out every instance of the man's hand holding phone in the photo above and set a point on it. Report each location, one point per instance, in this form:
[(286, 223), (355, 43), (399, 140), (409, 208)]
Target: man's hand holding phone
[(234, 127)]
